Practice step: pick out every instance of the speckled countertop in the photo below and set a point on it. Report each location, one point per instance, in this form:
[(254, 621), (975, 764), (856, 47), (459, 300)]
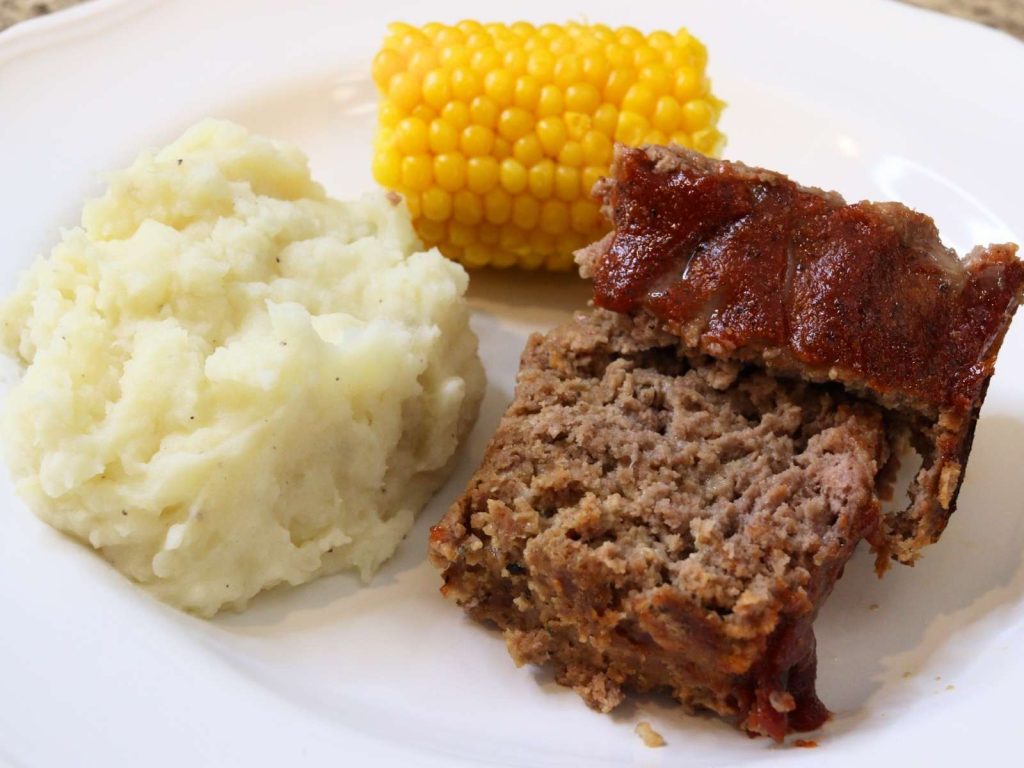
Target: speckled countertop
[(1007, 15)]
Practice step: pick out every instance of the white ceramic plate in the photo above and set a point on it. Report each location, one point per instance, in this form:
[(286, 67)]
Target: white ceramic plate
[(869, 97)]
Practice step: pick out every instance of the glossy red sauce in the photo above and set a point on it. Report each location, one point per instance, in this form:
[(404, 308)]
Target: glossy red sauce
[(758, 261)]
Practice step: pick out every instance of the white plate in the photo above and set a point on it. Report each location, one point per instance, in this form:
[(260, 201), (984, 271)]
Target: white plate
[(868, 97)]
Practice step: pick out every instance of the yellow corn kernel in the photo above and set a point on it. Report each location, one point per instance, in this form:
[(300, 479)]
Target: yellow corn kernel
[(513, 176), (571, 155), (442, 136), (629, 37), (697, 114), (436, 88), (606, 118), (489, 233), (485, 60), (640, 99), (526, 92), (450, 171), (597, 148), (660, 40), (411, 136), (541, 64), (470, 26), (595, 69), (584, 215), (550, 101), (567, 183), (528, 150), (552, 134), (465, 84), (497, 206), (500, 85), (437, 204), (467, 208), (483, 111), (514, 240), (389, 115), (456, 114), (554, 217), (515, 61), (478, 40), (404, 91), (514, 123), (476, 256), (542, 179), (481, 174), (657, 78), (667, 114), (431, 231), (688, 84), (476, 140), (568, 70), (576, 125), (525, 211), (386, 64), (422, 61), (631, 129), (496, 134), (456, 56), (709, 141), (645, 56), (424, 112), (618, 56), (416, 173), (683, 139), (620, 80), (461, 234), (582, 97), (387, 167)]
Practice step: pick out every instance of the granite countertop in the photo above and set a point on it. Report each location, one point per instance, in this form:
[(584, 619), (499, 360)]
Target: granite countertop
[(1007, 15)]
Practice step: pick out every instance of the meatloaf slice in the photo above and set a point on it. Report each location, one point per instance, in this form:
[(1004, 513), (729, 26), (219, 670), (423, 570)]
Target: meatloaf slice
[(742, 263), (648, 519)]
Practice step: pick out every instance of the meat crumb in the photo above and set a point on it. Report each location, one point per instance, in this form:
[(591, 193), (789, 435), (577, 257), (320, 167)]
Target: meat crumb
[(650, 736)]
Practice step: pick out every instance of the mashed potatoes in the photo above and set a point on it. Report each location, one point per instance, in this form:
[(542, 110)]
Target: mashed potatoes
[(232, 380)]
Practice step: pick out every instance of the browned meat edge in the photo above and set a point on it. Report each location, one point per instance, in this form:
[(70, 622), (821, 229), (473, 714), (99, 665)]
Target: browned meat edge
[(742, 263)]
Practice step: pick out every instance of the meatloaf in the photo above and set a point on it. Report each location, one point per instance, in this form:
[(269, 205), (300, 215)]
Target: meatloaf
[(743, 263), (685, 470), (646, 519)]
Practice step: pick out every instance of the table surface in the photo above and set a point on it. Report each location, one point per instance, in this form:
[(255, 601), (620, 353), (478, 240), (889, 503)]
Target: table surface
[(1007, 15)]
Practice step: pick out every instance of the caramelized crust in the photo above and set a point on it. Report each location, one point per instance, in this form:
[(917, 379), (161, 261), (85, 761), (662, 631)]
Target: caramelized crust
[(744, 263)]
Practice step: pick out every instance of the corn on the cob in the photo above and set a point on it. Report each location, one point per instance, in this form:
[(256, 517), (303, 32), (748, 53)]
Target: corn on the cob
[(495, 133)]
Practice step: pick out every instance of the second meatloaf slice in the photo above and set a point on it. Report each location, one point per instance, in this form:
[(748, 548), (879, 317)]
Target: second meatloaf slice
[(645, 520)]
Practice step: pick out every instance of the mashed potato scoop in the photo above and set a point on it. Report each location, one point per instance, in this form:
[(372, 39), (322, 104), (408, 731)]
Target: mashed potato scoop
[(233, 381)]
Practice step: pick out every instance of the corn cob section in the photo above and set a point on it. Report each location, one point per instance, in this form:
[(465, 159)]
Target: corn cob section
[(495, 133)]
